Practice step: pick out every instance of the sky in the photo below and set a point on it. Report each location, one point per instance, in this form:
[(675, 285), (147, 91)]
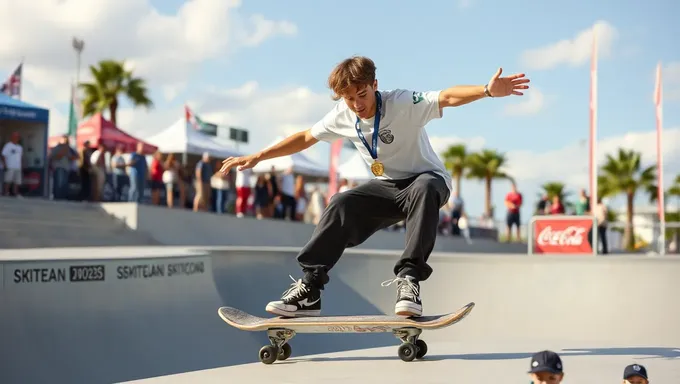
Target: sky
[(263, 65)]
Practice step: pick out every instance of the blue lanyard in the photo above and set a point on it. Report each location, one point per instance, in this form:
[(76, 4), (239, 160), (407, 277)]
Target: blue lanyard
[(376, 127)]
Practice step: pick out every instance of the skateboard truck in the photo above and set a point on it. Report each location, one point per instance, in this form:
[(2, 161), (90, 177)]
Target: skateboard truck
[(412, 347), (279, 348)]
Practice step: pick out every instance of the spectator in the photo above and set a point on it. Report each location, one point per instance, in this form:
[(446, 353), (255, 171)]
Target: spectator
[(61, 158), (274, 192), (98, 169), (138, 174), (556, 207), (300, 199), (118, 176), (220, 183), (12, 161), (583, 204), (243, 190), (84, 170), (456, 212), (542, 205), (203, 173), (170, 179), (262, 197), (546, 368), (513, 203), (635, 374), (156, 175), (600, 213), (287, 194)]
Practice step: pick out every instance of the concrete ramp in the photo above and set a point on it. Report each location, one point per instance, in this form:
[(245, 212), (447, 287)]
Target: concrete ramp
[(102, 315)]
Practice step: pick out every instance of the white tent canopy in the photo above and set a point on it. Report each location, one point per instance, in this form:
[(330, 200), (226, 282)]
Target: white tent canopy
[(355, 169), (300, 163), (181, 138)]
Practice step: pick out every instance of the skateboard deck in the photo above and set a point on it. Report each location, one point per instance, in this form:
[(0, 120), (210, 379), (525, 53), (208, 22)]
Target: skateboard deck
[(281, 329)]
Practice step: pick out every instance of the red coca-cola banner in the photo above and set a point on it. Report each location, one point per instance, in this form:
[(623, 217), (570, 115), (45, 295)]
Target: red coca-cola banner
[(569, 235)]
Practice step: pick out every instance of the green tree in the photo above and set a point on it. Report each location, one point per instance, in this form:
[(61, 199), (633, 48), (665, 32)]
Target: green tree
[(624, 174), (487, 165), (111, 81)]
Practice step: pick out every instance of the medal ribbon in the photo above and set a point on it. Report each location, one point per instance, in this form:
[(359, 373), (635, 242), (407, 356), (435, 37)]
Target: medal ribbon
[(376, 128)]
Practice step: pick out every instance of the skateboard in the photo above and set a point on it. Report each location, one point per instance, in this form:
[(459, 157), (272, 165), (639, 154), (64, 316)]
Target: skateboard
[(281, 329)]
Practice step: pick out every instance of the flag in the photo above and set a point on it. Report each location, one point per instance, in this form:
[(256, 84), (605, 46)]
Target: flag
[(12, 86), (593, 124), (194, 121), (658, 103), (74, 113)]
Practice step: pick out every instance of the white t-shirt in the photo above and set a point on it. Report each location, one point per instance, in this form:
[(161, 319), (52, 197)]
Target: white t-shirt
[(12, 153), (403, 145)]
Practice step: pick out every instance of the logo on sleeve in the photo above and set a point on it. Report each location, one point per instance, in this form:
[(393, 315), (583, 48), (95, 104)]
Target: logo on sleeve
[(417, 97)]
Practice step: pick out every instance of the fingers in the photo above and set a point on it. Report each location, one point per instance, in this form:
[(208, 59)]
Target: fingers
[(520, 81), (516, 93), (498, 73), (516, 76)]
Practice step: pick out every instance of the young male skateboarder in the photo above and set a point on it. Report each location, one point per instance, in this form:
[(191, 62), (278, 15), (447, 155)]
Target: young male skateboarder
[(411, 184)]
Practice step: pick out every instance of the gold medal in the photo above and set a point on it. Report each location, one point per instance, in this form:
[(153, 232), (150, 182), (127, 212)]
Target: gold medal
[(377, 168)]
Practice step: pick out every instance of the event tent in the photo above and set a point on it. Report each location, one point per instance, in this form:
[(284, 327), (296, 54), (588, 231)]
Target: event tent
[(97, 129), (182, 138), (17, 110), (32, 124), (355, 169), (300, 163)]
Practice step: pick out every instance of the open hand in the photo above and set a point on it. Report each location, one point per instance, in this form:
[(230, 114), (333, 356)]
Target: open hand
[(506, 86), (245, 162)]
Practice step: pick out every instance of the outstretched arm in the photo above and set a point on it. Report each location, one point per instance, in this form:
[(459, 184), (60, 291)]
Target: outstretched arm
[(497, 87), (297, 142)]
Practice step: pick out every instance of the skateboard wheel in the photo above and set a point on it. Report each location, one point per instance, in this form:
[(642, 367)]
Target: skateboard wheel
[(421, 346), (407, 352), (268, 354), (285, 352)]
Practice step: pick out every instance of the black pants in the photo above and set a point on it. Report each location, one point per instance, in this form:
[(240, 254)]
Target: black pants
[(354, 215)]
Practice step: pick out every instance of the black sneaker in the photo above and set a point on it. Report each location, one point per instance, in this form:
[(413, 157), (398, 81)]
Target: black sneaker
[(408, 296), (299, 300)]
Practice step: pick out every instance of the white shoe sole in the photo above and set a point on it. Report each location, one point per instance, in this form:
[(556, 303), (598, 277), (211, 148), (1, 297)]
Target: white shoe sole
[(276, 310), (407, 308)]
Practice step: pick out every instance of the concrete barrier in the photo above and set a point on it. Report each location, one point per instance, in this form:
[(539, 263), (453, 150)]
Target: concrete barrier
[(183, 227), (90, 315)]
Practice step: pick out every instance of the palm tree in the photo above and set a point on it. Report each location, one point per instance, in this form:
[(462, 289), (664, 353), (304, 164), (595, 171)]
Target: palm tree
[(456, 161), (624, 174), (487, 165), (111, 80), (674, 190)]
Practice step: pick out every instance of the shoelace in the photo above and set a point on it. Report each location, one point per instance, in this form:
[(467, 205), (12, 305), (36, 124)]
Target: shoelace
[(406, 288), (295, 289)]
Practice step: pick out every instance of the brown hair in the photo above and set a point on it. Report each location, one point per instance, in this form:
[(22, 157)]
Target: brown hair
[(355, 71)]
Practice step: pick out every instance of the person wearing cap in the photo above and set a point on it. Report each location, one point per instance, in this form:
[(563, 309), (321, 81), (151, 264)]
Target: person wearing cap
[(635, 374), (546, 368)]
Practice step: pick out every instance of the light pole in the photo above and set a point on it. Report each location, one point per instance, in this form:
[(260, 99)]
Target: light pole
[(78, 45)]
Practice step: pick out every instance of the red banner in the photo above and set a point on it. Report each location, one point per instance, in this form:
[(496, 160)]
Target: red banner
[(555, 235), (336, 148)]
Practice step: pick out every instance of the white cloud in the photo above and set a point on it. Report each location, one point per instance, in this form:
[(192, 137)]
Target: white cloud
[(574, 51), (164, 48), (441, 143), (570, 163), (530, 104)]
